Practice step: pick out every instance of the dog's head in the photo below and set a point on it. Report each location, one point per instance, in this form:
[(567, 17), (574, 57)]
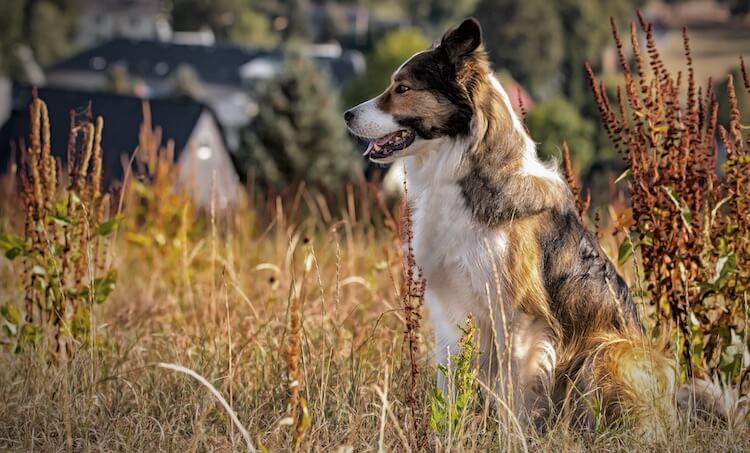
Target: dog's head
[(429, 98)]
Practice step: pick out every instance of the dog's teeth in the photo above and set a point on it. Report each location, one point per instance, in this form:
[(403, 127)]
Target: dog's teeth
[(376, 147)]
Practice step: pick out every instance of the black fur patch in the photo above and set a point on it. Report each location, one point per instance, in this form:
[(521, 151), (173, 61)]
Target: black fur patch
[(585, 290), (433, 71), (491, 202)]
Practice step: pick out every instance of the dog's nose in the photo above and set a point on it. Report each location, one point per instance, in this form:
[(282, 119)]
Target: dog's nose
[(348, 115)]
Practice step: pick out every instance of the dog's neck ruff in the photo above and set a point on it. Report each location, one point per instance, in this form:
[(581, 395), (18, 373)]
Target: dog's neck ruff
[(496, 167)]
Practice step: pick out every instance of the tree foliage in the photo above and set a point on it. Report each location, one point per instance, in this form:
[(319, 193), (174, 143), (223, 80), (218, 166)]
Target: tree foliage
[(389, 53), (298, 133), (545, 44), (44, 26), (238, 21), (439, 13), (585, 29), (556, 120), (524, 37)]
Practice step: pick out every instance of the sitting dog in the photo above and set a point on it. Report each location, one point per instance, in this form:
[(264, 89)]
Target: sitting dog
[(497, 235)]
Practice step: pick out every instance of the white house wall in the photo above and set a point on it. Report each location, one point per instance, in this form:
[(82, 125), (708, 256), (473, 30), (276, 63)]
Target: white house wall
[(197, 168)]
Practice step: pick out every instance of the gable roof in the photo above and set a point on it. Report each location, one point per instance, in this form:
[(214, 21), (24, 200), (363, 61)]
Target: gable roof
[(218, 64), (122, 116)]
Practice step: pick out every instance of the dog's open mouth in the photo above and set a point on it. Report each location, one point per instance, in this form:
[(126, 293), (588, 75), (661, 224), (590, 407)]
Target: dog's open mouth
[(388, 144)]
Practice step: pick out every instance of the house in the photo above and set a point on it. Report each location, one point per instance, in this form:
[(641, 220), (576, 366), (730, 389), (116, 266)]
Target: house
[(226, 73), (200, 151), (102, 20)]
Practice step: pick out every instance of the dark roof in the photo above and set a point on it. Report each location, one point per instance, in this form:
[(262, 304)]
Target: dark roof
[(340, 69), (122, 120), (217, 64)]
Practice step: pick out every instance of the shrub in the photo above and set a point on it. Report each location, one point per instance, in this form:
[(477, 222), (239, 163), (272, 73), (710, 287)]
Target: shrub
[(298, 133), (62, 248), (556, 120), (160, 217), (690, 225), (448, 411)]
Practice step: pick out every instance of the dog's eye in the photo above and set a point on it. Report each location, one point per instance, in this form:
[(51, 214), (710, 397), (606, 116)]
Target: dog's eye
[(401, 89)]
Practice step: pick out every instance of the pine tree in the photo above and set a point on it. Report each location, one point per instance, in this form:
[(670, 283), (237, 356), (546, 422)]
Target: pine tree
[(45, 27), (299, 133)]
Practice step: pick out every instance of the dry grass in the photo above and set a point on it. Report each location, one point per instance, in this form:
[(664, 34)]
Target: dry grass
[(346, 278)]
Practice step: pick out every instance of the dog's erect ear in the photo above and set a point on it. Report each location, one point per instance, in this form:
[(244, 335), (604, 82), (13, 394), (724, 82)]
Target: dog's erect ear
[(462, 41)]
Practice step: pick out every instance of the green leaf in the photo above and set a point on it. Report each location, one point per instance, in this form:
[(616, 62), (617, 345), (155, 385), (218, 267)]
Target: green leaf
[(13, 245), (11, 313), (624, 175), (733, 356), (625, 251), (685, 214), (30, 335), (9, 241), (102, 287), (724, 266), (718, 206), (38, 270), (10, 329), (438, 411), (142, 189), (13, 253), (138, 239), (108, 226), (705, 287), (61, 219)]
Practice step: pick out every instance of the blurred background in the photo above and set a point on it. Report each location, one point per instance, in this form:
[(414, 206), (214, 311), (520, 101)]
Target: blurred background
[(253, 90)]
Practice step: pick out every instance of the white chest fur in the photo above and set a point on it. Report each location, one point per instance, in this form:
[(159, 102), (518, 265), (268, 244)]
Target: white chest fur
[(459, 257), (465, 265)]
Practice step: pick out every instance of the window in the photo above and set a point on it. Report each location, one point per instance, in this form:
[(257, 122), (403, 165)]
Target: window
[(204, 152)]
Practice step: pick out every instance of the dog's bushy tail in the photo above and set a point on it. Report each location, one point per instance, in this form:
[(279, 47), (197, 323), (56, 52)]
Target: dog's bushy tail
[(629, 379), (624, 379)]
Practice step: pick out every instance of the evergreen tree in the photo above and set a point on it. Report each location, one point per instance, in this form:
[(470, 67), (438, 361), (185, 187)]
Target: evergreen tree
[(524, 37), (50, 30), (44, 26), (586, 32), (186, 82), (299, 133)]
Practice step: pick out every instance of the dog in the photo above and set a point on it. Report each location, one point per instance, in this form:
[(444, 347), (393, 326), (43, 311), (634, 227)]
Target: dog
[(497, 235)]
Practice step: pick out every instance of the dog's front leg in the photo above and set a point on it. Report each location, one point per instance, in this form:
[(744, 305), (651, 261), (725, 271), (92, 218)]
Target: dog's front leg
[(447, 337)]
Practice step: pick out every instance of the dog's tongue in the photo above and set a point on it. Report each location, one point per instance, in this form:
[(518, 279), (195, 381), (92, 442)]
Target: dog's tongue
[(379, 142)]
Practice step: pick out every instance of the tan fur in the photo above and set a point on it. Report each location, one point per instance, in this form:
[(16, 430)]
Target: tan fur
[(524, 272), (414, 103)]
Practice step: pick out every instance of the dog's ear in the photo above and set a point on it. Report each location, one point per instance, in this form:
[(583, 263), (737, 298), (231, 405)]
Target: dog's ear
[(462, 41)]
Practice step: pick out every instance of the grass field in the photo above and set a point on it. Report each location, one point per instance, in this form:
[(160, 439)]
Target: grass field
[(219, 304)]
